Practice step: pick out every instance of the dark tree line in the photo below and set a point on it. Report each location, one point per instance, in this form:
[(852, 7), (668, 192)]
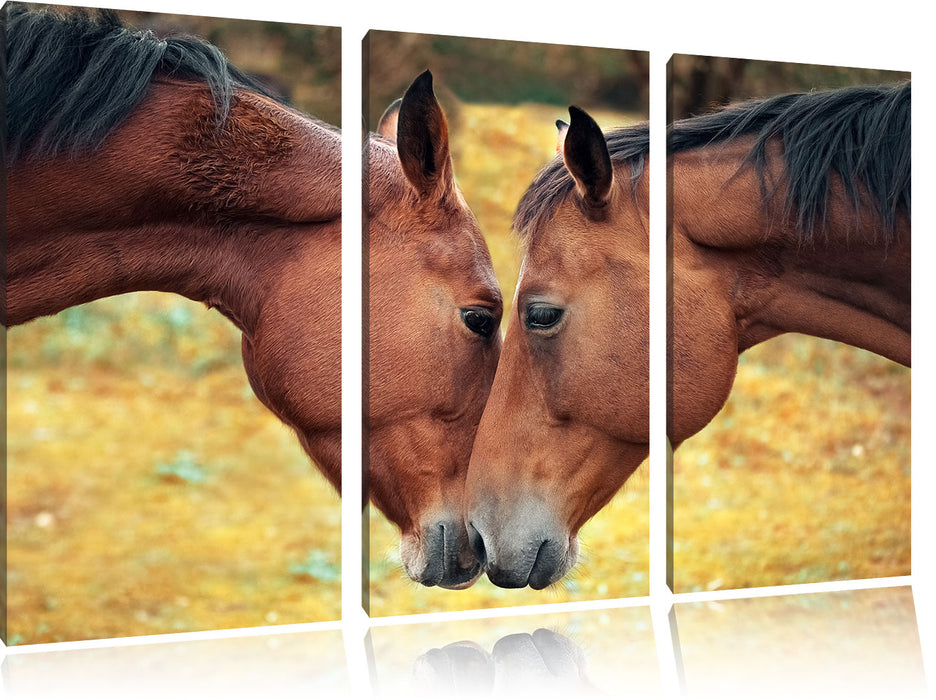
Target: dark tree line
[(699, 84)]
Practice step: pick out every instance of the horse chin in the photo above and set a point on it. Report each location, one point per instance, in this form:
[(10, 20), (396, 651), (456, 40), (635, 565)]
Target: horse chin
[(439, 554), (466, 584), (552, 564), (542, 576)]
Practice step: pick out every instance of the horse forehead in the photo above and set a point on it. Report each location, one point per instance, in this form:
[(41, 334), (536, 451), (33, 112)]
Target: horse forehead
[(458, 251), (445, 233), (571, 245)]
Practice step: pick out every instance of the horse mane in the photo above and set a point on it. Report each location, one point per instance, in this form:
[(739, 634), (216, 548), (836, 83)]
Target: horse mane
[(71, 77), (862, 134)]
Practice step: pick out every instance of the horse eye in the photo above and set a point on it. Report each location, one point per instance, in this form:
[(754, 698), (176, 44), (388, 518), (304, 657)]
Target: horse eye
[(480, 321), (542, 316)]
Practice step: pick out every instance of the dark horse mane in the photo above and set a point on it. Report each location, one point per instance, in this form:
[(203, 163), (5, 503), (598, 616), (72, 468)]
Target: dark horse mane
[(862, 134), (71, 77)]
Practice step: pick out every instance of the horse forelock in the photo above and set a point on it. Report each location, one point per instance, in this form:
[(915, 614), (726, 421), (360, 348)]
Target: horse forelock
[(859, 134), (73, 76), (552, 186)]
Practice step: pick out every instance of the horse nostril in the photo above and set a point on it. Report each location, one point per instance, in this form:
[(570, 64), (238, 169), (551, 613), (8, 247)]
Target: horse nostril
[(546, 566), (477, 544)]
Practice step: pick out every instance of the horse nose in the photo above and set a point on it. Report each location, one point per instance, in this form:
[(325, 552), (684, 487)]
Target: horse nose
[(528, 548), (440, 555)]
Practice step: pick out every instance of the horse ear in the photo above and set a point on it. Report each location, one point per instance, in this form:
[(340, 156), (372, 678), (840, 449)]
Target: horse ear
[(387, 126), (561, 134), (585, 154), (422, 139)]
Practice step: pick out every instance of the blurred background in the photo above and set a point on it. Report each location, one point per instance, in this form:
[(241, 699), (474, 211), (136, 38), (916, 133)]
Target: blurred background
[(699, 84), (148, 491), (804, 475), (502, 99), (301, 63)]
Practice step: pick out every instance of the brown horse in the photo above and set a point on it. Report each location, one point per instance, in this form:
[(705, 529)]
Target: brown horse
[(787, 215), (434, 309), (136, 163), (567, 420)]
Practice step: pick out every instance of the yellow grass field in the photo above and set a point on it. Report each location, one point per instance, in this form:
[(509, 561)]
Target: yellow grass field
[(804, 475), (148, 491)]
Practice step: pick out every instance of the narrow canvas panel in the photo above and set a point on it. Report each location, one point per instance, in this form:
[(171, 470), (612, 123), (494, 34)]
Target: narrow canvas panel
[(789, 322), (148, 489), (468, 264)]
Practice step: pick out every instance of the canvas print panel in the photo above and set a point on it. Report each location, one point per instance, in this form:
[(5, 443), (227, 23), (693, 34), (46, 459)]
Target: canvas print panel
[(793, 459), (460, 129), (149, 490)]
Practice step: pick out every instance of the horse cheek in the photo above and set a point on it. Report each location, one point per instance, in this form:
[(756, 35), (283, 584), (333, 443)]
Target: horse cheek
[(703, 362), (289, 366), (250, 368)]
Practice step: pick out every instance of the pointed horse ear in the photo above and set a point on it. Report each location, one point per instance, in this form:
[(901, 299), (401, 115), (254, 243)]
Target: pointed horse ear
[(562, 128), (422, 140), (387, 126), (585, 154)]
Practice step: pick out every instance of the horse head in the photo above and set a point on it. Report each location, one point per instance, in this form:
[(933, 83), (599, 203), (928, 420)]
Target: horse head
[(567, 420), (434, 309)]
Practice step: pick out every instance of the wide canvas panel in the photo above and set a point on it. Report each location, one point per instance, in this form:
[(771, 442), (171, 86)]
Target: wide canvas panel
[(501, 101), (148, 490), (804, 473)]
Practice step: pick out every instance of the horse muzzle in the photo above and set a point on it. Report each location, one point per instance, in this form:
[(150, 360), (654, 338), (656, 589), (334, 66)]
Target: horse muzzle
[(531, 549), (439, 554)]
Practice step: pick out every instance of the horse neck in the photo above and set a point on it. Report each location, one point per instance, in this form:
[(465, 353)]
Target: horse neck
[(168, 203), (857, 294), (848, 281), (228, 270)]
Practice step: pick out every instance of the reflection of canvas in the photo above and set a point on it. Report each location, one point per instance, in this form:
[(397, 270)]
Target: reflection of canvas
[(499, 133), (236, 667), (141, 468), (842, 644), (804, 473), (574, 654)]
